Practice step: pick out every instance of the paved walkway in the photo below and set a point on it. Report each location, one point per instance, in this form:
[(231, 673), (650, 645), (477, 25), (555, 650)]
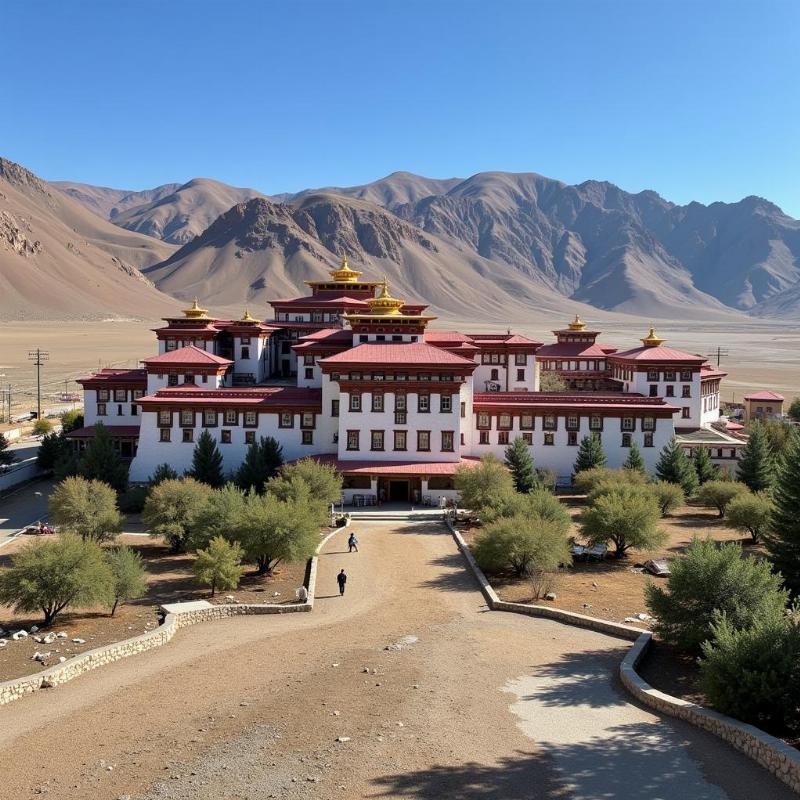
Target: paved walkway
[(480, 705), (21, 507)]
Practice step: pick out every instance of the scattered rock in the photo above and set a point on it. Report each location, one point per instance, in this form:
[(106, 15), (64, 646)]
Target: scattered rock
[(342, 738), (644, 617), (49, 638), (61, 635), (334, 665), (400, 724), (34, 628), (61, 659), (550, 596), (17, 635), (40, 657), (365, 669), (402, 643), (230, 598), (78, 641), (3, 642), (335, 713)]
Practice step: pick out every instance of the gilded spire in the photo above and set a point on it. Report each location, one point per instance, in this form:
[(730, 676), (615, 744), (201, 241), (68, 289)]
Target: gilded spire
[(344, 274), (195, 312), (577, 324), (247, 316), (651, 340), (384, 303)]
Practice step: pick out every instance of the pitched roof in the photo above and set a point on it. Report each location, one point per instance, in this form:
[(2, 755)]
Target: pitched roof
[(275, 396), (395, 467), (573, 350), (399, 353), (766, 395), (190, 354), (658, 353), (136, 376)]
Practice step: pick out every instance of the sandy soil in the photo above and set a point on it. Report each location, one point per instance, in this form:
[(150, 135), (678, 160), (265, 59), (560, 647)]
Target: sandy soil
[(482, 705)]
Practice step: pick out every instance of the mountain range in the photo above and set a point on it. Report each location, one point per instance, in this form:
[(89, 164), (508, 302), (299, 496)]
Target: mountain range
[(497, 243)]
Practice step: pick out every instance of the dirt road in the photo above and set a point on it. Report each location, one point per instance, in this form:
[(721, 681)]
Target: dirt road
[(478, 705)]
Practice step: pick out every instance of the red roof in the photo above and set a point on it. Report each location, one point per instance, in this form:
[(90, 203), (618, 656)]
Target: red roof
[(258, 396), (498, 339), (707, 371), (317, 300), (659, 353), (398, 353), (115, 431), (188, 355), (137, 376), (573, 350), (771, 397), (328, 334), (396, 467)]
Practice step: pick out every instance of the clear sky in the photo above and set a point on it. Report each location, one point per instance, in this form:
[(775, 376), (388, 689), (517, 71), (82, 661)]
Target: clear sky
[(698, 100)]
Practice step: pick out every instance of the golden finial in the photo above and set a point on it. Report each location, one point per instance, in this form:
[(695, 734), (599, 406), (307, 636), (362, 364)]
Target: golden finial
[(577, 324), (195, 312), (247, 317), (651, 340), (384, 303), (345, 274)]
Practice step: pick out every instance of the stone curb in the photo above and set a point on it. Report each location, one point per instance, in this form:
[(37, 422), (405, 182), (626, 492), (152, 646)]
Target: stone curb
[(770, 752), (91, 659)]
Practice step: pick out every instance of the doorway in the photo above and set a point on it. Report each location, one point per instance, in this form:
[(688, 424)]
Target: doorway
[(398, 491)]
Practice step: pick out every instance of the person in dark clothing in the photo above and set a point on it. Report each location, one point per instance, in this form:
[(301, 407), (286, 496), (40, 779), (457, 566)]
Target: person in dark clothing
[(342, 580), (352, 543)]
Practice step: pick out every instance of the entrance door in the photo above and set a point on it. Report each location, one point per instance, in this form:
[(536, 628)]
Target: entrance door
[(398, 491)]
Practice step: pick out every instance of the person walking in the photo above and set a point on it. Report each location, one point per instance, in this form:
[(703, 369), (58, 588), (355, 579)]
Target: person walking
[(352, 543), (342, 580)]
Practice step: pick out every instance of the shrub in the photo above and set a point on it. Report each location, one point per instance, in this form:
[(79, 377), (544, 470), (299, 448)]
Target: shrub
[(6, 456), (552, 382), (42, 426), (484, 484), (794, 409), (668, 495), (586, 481), (172, 507), (86, 508), (219, 565), (223, 514), (128, 575), (323, 481), (520, 464), (71, 420), (751, 513), (54, 447), (590, 455), (708, 579), (51, 574), (207, 461), (539, 503), (627, 516), (523, 544), (717, 494)]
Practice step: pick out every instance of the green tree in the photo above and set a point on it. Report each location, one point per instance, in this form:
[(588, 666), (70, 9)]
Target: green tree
[(219, 565), (323, 481), (128, 575), (520, 463), (163, 472), (704, 466), (42, 426), (779, 434), (6, 456), (635, 461), (706, 580), (751, 513), (794, 409), (751, 673), (223, 514), (756, 468), (552, 382), (524, 544), (54, 447), (86, 508), (588, 480), (538, 503), (668, 495), (590, 454), (207, 461), (717, 494), (53, 573), (783, 537), (483, 485), (627, 516), (172, 507), (71, 420), (100, 460), (674, 466), (262, 462)]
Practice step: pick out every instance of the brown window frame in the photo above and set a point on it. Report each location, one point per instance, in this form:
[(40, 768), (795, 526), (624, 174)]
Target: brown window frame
[(404, 436), (224, 436), (452, 447), (355, 434), (420, 434), (381, 435)]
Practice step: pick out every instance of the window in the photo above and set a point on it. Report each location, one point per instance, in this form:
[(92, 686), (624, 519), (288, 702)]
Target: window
[(423, 403), (686, 412), (251, 418), (245, 340), (309, 373), (188, 378), (573, 422), (334, 408), (137, 393), (648, 440), (484, 420), (187, 416), (526, 422), (447, 442), (423, 440), (172, 380), (307, 437), (670, 391), (550, 422), (307, 419), (231, 417), (400, 439), (520, 359), (399, 402), (648, 423), (572, 438), (483, 437), (188, 435), (134, 410), (502, 437), (120, 395), (164, 435), (286, 419), (549, 439), (101, 409), (652, 375), (628, 424), (225, 437), (463, 410), (377, 402), (686, 374), (352, 440), (209, 418), (626, 440), (165, 417), (669, 374), (171, 345), (355, 402), (653, 390), (520, 374), (249, 437), (495, 376), (504, 422), (102, 394), (686, 391), (308, 361), (245, 352), (527, 438), (595, 423), (445, 403), (376, 440)]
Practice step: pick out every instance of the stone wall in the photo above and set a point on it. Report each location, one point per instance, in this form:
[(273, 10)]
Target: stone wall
[(768, 751)]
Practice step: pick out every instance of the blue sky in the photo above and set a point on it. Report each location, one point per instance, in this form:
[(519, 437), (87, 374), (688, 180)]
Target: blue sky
[(697, 100)]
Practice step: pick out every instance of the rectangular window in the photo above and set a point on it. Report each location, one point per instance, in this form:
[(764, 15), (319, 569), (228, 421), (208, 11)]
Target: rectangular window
[(377, 402), (137, 393), (399, 417), (308, 361), (163, 434), (686, 391), (245, 352), (648, 423), (286, 419), (653, 390), (628, 424), (549, 439), (355, 402), (527, 438), (352, 440), (670, 391), (188, 435), (573, 422), (484, 420), (249, 437), (309, 373), (251, 418), (376, 440), (652, 375), (172, 380), (209, 418), (595, 423), (307, 420), (231, 417), (165, 417), (119, 410), (225, 437), (334, 408), (686, 374), (400, 402), (445, 403), (686, 412), (171, 345), (447, 441), (626, 440), (669, 374), (550, 422), (504, 422), (120, 395), (423, 441), (483, 437), (572, 438), (400, 439), (134, 410), (648, 440), (520, 359), (308, 437), (526, 422), (463, 410), (502, 437), (423, 403), (187, 416), (102, 394), (520, 374), (101, 409)]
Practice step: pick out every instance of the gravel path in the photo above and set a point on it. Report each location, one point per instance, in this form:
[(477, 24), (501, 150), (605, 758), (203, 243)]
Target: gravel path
[(479, 705)]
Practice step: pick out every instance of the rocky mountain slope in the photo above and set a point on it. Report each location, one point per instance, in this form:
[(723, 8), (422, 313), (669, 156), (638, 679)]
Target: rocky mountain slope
[(58, 260), (109, 203)]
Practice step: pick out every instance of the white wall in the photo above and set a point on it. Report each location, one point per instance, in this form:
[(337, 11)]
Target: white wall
[(90, 416), (641, 385)]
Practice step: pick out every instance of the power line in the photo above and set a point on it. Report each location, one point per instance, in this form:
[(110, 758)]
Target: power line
[(718, 354), (38, 357)]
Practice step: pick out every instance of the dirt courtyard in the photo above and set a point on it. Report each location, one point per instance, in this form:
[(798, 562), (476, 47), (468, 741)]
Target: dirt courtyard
[(407, 687)]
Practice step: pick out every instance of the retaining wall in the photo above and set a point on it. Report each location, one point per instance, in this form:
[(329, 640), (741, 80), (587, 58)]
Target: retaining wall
[(770, 752)]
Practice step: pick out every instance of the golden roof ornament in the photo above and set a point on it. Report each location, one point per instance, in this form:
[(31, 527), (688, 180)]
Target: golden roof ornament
[(384, 303), (577, 324), (344, 274), (195, 312), (651, 340), (247, 316)]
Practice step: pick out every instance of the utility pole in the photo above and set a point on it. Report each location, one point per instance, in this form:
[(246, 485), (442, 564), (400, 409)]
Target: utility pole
[(38, 357), (718, 354)]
